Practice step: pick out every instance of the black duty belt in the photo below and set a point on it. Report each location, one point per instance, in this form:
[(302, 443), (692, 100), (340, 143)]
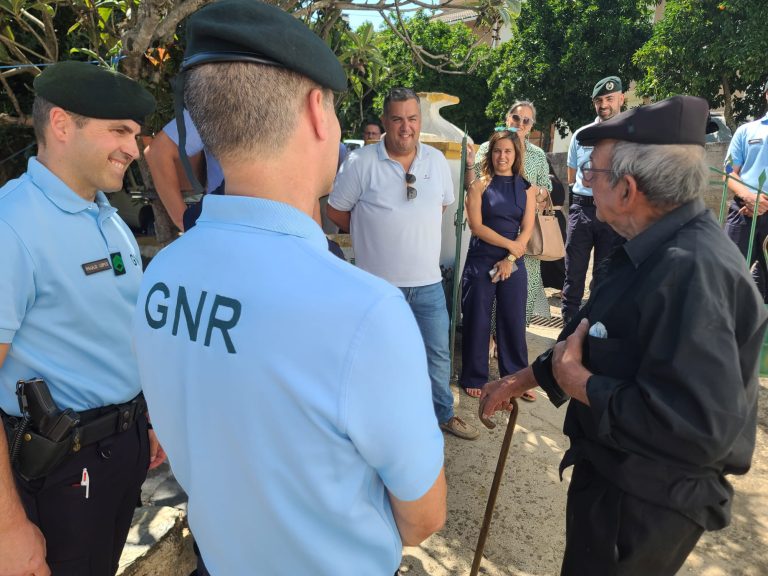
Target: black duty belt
[(582, 200), (101, 423)]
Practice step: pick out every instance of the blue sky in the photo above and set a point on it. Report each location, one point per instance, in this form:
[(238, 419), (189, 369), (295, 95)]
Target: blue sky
[(358, 17)]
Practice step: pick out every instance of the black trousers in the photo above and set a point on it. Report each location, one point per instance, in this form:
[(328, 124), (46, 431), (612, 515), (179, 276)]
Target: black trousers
[(85, 536), (612, 533), (738, 227)]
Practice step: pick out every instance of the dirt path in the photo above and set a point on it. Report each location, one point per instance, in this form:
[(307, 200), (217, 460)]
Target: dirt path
[(527, 533)]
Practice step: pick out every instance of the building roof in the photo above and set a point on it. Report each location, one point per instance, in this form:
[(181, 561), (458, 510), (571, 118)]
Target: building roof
[(451, 16)]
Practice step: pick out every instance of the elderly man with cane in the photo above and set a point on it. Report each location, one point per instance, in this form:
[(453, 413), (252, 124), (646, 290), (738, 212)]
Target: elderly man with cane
[(661, 363)]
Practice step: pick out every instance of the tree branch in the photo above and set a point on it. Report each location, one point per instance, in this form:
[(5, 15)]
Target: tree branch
[(52, 44), (12, 97), (440, 62), (7, 119), (20, 50), (34, 70), (24, 24), (171, 21)]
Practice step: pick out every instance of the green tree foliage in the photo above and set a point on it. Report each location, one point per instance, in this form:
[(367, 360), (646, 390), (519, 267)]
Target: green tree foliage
[(359, 52), (456, 41), (563, 47), (31, 34), (712, 49)]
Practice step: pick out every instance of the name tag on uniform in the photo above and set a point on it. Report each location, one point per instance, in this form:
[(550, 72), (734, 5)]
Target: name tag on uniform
[(96, 266), (755, 141)]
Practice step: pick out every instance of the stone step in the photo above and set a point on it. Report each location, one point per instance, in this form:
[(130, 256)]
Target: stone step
[(159, 542)]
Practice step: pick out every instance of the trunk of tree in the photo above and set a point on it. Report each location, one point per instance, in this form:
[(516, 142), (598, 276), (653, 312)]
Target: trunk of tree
[(728, 104), (165, 231), (546, 138), (153, 21)]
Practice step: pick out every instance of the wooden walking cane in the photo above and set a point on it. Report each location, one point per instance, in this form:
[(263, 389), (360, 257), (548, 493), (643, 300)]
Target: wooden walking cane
[(484, 529), (459, 225)]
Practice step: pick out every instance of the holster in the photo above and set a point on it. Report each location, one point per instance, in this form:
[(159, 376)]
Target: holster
[(37, 456)]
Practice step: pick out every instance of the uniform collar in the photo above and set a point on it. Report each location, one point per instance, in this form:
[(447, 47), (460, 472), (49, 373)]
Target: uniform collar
[(261, 214), (644, 244), (383, 155), (57, 191)]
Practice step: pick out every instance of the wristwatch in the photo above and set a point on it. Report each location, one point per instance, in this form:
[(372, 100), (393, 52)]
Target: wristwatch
[(511, 258)]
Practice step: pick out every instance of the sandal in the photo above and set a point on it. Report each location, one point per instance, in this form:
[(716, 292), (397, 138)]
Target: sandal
[(472, 392), (528, 396)]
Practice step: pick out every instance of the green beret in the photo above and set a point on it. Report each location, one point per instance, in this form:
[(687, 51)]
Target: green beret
[(676, 120), (94, 92), (251, 31), (606, 86)]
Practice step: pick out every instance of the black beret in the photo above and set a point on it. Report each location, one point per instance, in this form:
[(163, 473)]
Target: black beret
[(606, 86), (94, 92), (676, 120), (251, 31)]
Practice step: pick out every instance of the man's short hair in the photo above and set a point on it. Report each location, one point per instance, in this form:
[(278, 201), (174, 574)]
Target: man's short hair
[(41, 116), (399, 95), (242, 109), (667, 174)]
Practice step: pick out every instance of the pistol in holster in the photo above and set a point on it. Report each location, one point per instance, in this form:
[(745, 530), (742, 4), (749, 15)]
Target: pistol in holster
[(44, 434)]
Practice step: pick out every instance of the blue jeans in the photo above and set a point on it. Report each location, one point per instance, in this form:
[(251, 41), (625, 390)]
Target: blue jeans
[(428, 306)]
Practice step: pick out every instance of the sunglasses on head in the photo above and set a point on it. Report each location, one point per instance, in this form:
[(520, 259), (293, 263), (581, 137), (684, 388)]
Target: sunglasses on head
[(410, 191), (520, 119)]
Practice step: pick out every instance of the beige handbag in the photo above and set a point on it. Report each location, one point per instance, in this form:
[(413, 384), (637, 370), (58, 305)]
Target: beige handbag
[(546, 242)]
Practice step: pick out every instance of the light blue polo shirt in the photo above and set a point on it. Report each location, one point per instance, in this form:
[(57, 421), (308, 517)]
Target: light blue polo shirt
[(749, 150), (577, 156), (67, 326), (288, 388), (194, 145), (393, 237)]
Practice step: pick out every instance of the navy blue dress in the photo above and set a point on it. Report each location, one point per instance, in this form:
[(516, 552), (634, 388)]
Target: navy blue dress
[(503, 207)]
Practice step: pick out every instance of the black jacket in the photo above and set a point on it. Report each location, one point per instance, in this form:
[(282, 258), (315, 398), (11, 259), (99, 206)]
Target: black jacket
[(673, 398)]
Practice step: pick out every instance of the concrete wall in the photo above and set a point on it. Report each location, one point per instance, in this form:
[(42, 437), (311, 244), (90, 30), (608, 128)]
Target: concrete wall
[(715, 154)]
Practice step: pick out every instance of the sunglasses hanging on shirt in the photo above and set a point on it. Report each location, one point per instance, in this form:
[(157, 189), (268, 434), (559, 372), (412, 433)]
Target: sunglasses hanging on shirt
[(410, 191)]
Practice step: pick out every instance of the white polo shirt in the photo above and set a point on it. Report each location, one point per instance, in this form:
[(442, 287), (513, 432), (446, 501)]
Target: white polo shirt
[(395, 238)]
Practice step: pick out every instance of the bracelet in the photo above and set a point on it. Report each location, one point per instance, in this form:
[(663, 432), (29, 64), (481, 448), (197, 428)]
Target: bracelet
[(469, 166)]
